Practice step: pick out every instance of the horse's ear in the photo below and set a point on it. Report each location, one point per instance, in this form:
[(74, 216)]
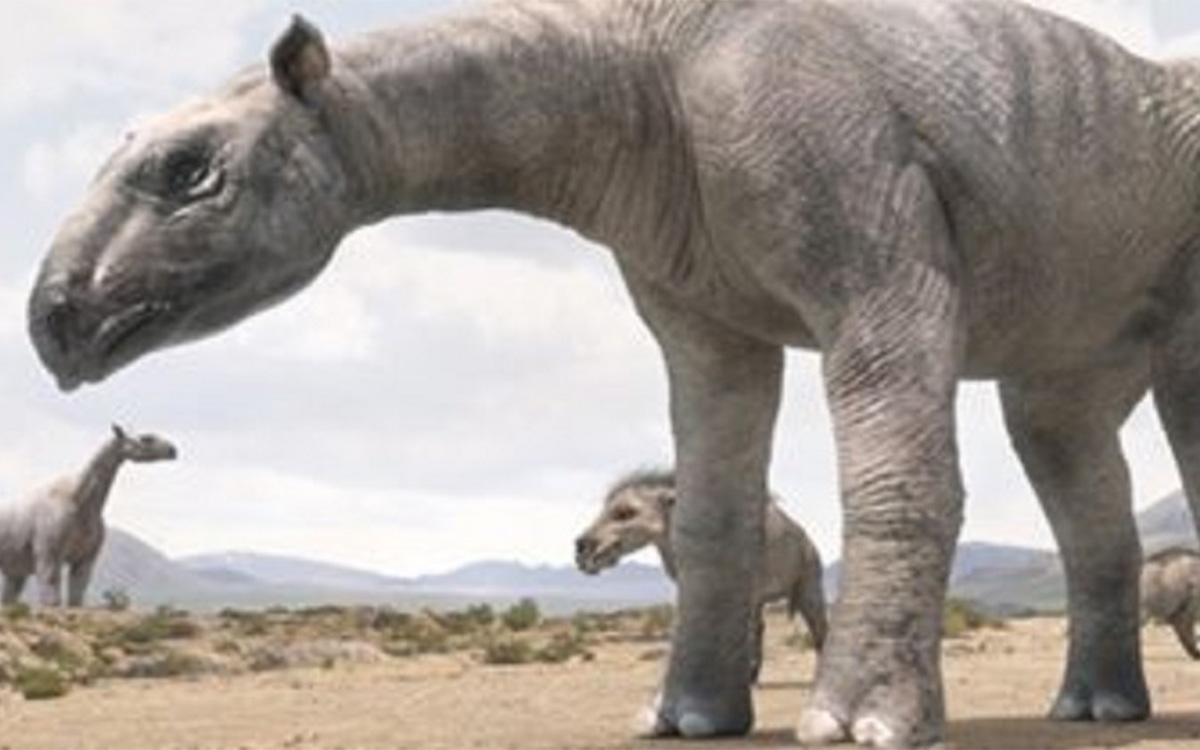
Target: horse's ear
[(299, 58), (118, 433)]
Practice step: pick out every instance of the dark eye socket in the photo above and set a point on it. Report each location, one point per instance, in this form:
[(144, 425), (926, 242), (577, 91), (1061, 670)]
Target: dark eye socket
[(624, 514), (184, 174), (191, 173)]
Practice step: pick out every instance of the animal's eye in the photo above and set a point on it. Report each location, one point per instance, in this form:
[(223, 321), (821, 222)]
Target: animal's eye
[(191, 174), (624, 514)]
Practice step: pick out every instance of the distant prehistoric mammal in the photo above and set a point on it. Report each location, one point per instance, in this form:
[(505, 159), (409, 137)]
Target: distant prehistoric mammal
[(62, 525), (922, 190), (637, 513), (1171, 593)]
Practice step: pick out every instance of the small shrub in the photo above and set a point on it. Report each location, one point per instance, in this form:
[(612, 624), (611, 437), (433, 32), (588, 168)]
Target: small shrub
[(522, 616), (162, 624), (481, 614), (386, 619), (17, 611), (507, 651), (116, 599), (656, 622), (245, 622), (421, 635), (40, 683), (961, 616), (563, 646)]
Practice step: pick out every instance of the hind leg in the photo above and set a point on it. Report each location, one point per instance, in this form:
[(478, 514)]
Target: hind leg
[(1184, 624), (1064, 429), (812, 609)]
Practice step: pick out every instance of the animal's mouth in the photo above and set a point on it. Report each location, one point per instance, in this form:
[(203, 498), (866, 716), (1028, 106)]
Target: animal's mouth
[(598, 559), (123, 331), (78, 349)]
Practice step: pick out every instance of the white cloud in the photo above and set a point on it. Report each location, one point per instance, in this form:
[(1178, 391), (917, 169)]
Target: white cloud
[(53, 168), (1127, 21), (56, 51)]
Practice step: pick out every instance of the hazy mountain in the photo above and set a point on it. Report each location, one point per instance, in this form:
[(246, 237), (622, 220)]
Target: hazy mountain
[(632, 581), (1167, 523), (1002, 578), (128, 564), (246, 579), (251, 567)]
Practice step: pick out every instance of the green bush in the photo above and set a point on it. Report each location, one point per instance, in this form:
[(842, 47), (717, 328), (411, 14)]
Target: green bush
[(656, 622), (507, 651), (522, 616), (961, 616), (481, 614), (17, 611), (40, 683), (162, 624), (563, 646)]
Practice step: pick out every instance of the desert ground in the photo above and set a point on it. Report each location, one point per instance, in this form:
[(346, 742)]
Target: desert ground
[(998, 682)]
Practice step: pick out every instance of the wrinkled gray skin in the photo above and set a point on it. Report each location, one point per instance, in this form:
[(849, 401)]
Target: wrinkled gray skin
[(1171, 593), (62, 525), (637, 513), (922, 190)]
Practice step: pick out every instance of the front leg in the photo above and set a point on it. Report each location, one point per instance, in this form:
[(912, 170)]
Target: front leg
[(724, 397), (49, 581), (891, 363), (1065, 429), (77, 581)]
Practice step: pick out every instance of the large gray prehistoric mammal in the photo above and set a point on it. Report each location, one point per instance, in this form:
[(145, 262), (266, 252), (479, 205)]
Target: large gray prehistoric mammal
[(636, 513), (62, 525), (1171, 593), (923, 190)]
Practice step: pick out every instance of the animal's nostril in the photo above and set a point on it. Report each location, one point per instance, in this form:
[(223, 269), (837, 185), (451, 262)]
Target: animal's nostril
[(584, 545), (58, 314)]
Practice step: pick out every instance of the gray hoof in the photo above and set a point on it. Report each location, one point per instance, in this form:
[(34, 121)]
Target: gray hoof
[(692, 719), (1080, 705)]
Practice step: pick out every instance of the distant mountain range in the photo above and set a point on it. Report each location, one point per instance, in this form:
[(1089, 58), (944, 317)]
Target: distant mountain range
[(246, 579), (1002, 578)]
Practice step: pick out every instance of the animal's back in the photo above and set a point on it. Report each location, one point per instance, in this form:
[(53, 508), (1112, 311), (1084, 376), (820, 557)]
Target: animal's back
[(1043, 139)]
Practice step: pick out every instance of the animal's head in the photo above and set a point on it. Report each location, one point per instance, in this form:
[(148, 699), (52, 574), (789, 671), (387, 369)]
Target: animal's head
[(636, 513), (208, 214), (143, 448)]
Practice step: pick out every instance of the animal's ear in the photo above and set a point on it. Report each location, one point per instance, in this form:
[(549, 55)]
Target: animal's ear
[(118, 433), (299, 58)]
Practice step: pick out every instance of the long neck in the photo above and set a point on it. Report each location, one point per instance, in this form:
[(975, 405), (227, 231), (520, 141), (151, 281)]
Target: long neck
[(519, 109), (97, 478)]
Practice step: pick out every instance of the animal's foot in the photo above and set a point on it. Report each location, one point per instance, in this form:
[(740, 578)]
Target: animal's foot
[(879, 702), (1079, 703), (690, 717), (818, 727)]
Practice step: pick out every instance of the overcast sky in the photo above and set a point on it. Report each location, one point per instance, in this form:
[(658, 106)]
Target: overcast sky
[(453, 387)]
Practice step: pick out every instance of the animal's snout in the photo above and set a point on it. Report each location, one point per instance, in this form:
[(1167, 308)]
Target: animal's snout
[(585, 546), (54, 319), (58, 326)]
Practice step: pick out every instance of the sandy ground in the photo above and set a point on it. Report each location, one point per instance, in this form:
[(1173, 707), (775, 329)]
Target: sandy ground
[(997, 682)]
